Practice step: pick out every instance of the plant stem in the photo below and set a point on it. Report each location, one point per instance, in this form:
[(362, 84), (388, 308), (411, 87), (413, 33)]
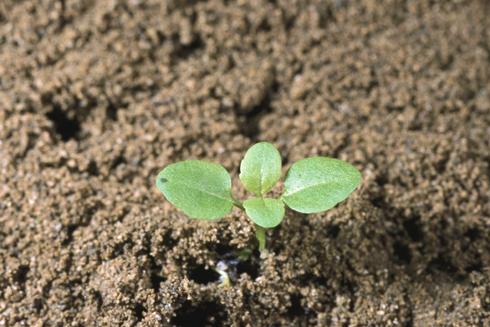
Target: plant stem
[(260, 235), (238, 204), (221, 269)]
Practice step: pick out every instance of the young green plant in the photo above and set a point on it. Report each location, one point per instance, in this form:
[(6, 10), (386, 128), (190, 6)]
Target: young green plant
[(202, 190)]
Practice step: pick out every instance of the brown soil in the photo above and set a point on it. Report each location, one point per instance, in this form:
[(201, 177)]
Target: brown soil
[(97, 96)]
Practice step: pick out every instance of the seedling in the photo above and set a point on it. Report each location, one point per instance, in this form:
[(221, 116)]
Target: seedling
[(202, 190)]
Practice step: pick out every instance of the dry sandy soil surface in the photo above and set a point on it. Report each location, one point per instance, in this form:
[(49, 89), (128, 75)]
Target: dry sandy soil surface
[(97, 96)]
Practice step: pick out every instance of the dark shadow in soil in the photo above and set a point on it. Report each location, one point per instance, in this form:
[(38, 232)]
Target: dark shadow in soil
[(68, 234), (183, 52), (92, 168), (411, 242), (443, 265), (204, 314), (250, 267), (333, 231), (111, 111), (299, 315), (402, 253), (67, 128), (38, 304), (311, 279), (139, 311), (201, 275), (118, 161), (473, 234), (249, 123), (414, 229), (296, 310), (156, 281), (156, 278), (20, 275)]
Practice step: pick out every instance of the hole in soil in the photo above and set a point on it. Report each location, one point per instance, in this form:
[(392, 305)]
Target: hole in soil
[(264, 26), (249, 267), (139, 311), (311, 279), (442, 264), (92, 168), (156, 280), (250, 121), (477, 266), (155, 276), (20, 275), (111, 111), (224, 250), (205, 314), (119, 248), (402, 253), (66, 127), (381, 180), (201, 275), (68, 234), (250, 126), (473, 234), (413, 228), (296, 310), (347, 285), (333, 231), (168, 240), (186, 50), (441, 165), (117, 161), (378, 201), (37, 304), (97, 298)]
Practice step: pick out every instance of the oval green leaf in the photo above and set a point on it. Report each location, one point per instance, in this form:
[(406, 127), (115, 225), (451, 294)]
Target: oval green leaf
[(319, 183), (260, 169), (201, 189), (267, 213)]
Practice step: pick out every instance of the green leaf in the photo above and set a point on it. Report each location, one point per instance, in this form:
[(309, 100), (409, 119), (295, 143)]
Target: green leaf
[(260, 169), (266, 213), (201, 189), (319, 183)]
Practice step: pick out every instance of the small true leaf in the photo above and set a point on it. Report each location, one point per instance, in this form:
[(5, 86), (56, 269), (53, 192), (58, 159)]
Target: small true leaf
[(266, 213), (201, 189), (260, 169), (319, 183)]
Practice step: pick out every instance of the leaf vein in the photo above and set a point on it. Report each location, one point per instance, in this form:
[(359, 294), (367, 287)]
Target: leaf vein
[(307, 187), (205, 192)]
